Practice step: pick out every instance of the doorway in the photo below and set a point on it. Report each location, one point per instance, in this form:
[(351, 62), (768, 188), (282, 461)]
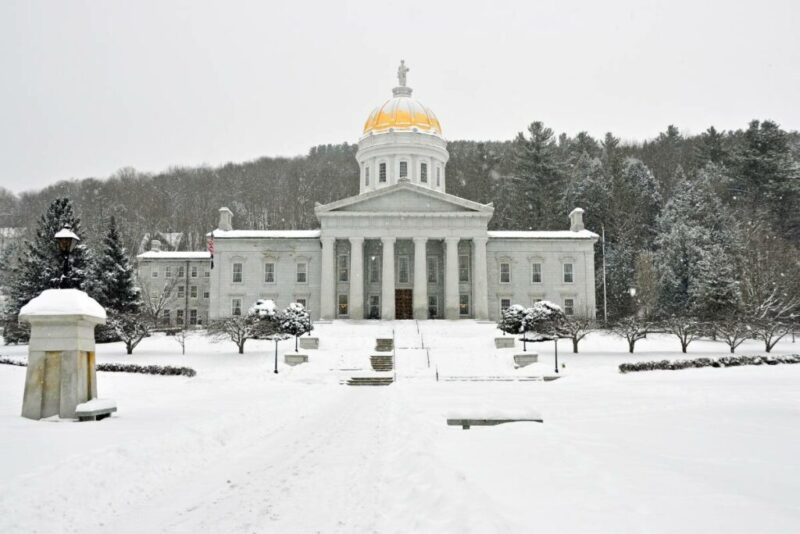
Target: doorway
[(403, 308)]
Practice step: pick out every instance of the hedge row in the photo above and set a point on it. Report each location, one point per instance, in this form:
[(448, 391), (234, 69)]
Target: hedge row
[(163, 370), (724, 361)]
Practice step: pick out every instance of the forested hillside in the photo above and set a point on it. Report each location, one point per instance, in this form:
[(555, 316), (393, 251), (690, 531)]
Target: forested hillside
[(693, 205)]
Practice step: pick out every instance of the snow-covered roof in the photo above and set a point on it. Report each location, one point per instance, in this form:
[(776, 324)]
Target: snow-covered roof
[(174, 255), (542, 234), (274, 234)]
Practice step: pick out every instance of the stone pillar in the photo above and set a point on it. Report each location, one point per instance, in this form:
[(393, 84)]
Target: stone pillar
[(420, 278), (61, 359), (387, 279), (480, 286), (356, 278), (327, 305), (451, 278)]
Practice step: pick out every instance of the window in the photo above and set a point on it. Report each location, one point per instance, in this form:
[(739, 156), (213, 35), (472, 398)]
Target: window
[(433, 269), (423, 173), (403, 169), (463, 268), (433, 307), (366, 175), (181, 272), (302, 277), (463, 304), (402, 270), (168, 271), (374, 269), (568, 273), (536, 273), (193, 292), (505, 273), (179, 317), (194, 271), (504, 305), (154, 272), (207, 273), (382, 172), (165, 317), (236, 306), (438, 177), (269, 273), (569, 307), (192, 317), (342, 305), (374, 307), (181, 292), (301, 302), (237, 273), (344, 268), (205, 295)]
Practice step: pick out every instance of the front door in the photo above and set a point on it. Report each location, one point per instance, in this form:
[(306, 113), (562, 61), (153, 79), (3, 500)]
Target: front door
[(403, 308)]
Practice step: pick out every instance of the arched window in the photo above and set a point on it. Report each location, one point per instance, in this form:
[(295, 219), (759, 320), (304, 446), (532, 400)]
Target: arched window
[(438, 177), (366, 175), (382, 172), (423, 173), (403, 169)]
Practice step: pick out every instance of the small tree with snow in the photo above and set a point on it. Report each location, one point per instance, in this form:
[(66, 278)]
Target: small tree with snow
[(733, 330), (686, 329), (511, 320), (632, 329), (295, 320), (771, 331), (237, 328), (130, 327), (577, 328), (543, 319)]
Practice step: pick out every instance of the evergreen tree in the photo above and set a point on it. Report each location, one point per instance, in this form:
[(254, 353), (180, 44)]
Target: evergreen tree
[(113, 275), (541, 178), (41, 265)]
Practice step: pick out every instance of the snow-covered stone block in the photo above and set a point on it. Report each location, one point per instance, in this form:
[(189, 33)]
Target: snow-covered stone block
[(294, 358), (504, 342), (526, 358), (309, 343)]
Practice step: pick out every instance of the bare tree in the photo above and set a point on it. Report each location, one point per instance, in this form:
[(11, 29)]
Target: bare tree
[(733, 331), (130, 327), (238, 328), (771, 331), (156, 296), (577, 328), (180, 337), (632, 329), (686, 329)]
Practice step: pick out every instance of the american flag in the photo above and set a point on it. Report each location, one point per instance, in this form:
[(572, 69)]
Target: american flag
[(210, 244)]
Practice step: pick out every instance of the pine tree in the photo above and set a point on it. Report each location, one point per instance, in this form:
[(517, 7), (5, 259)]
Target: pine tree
[(41, 264), (112, 279), (540, 173), (295, 320)]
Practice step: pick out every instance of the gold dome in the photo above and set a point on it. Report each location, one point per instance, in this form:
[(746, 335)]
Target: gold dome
[(402, 113)]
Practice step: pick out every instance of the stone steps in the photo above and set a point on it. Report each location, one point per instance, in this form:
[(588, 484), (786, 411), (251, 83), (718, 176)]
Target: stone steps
[(381, 363), (370, 381), (384, 344)]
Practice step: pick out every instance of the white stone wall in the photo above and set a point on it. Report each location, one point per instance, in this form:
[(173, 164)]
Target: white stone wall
[(552, 254), (253, 254)]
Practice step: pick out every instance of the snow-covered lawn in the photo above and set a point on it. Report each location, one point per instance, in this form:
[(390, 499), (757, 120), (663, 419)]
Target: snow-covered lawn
[(240, 449)]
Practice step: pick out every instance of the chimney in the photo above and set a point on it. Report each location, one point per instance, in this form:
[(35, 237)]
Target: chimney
[(576, 220), (225, 219), (155, 245)]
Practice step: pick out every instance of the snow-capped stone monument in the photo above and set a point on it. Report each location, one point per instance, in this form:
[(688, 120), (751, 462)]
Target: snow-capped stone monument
[(61, 353)]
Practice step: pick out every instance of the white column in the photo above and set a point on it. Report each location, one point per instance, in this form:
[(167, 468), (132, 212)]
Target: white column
[(387, 279), (356, 278), (480, 286), (327, 305), (420, 278), (451, 278)]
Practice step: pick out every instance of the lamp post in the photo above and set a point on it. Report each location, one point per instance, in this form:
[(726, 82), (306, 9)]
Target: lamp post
[(555, 340), (632, 293), (66, 240), (277, 338)]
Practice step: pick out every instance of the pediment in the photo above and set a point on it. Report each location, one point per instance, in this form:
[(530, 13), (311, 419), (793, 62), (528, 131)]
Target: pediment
[(404, 198)]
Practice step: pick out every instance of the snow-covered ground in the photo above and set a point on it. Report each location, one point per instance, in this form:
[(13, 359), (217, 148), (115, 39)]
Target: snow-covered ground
[(239, 449)]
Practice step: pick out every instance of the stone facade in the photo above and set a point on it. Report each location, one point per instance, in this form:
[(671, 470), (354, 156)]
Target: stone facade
[(402, 248)]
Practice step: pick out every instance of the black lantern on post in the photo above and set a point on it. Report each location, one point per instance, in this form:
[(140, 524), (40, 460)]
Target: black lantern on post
[(67, 241)]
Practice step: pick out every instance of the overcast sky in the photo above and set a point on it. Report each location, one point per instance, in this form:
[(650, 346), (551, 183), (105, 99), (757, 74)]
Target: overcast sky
[(90, 87)]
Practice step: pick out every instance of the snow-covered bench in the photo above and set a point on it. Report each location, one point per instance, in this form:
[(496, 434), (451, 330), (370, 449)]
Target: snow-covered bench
[(95, 409), (466, 419)]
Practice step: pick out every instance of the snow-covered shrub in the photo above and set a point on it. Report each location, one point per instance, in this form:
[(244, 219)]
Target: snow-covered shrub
[(511, 320), (163, 370), (295, 320), (723, 361)]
